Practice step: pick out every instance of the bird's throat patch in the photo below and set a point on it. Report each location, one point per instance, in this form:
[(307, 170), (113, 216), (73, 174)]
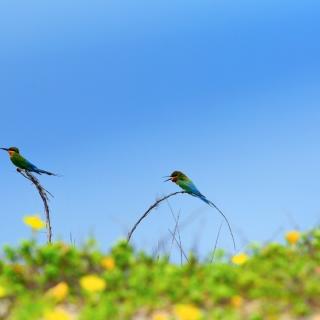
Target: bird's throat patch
[(11, 153)]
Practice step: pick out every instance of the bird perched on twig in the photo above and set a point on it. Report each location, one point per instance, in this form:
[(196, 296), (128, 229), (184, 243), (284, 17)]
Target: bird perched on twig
[(187, 185), (21, 163)]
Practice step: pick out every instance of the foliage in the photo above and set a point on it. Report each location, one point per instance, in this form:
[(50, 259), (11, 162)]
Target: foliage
[(61, 281)]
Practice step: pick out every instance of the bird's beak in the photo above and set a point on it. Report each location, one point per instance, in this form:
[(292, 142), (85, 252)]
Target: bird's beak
[(5, 149), (169, 178)]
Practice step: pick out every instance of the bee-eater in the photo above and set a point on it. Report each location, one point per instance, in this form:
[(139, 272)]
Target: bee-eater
[(187, 185), (20, 162)]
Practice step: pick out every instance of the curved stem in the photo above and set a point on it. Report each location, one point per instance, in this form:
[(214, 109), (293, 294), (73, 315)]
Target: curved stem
[(149, 210), (44, 196)]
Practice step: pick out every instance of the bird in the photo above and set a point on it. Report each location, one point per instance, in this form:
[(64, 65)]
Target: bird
[(21, 163), (189, 187)]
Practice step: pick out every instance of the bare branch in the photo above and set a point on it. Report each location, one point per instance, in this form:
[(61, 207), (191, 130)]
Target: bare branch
[(149, 210), (185, 223), (179, 245), (216, 243), (176, 229), (44, 196)]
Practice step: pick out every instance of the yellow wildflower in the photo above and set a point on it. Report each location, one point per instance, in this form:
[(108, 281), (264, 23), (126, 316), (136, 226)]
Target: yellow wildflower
[(293, 237), (57, 314), (236, 301), (108, 263), (187, 312), (34, 222), (240, 258), (3, 292), (92, 283), (59, 292), (160, 315)]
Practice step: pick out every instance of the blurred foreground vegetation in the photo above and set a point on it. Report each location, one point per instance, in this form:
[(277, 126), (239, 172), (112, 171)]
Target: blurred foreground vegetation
[(63, 282)]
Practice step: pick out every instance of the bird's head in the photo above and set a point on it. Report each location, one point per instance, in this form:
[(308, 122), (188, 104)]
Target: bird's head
[(176, 176), (11, 150)]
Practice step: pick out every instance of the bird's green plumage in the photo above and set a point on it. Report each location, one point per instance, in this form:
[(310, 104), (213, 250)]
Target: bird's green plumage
[(19, 161), (182, 181)]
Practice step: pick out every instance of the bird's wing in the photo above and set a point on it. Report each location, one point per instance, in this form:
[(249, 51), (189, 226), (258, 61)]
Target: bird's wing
[(22, 163), (190, 187), (30, 166)]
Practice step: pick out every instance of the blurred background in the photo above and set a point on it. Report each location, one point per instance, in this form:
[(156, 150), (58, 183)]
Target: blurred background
[(114, 95)]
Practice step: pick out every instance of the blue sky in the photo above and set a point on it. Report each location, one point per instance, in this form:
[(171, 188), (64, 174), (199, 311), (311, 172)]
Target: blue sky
[(113, 95)]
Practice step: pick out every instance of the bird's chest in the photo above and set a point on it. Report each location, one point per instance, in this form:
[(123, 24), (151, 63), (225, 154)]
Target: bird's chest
[(16, 160)]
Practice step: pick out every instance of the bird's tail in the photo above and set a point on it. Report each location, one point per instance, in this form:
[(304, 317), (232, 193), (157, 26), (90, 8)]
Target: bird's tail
[(40, 171), (211, 204)]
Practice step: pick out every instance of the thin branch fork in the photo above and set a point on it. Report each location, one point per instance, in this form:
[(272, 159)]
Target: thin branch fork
[(150, 209), (44, 196), (178, 242)]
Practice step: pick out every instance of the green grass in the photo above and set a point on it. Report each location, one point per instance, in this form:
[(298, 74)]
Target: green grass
[(276, 281)]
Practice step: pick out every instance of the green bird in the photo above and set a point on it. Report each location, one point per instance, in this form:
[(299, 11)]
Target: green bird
[(187, 185), (20, 162)]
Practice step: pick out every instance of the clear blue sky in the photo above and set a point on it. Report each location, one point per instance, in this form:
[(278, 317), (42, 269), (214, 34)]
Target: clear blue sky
[(114, 95)]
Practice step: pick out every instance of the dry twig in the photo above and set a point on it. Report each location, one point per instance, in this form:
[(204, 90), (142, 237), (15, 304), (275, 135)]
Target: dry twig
[(149, 210), (216, 243), (44, 196), (179, 245)]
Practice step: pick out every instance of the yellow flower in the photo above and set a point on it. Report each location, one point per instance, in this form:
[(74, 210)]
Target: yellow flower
[(187, 312), (160, 315), (3, 292), (236, 301), (108, 263), (34, 222), (293, 237), (240, 258), (59, 292), (92, 283), (57, 314)]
